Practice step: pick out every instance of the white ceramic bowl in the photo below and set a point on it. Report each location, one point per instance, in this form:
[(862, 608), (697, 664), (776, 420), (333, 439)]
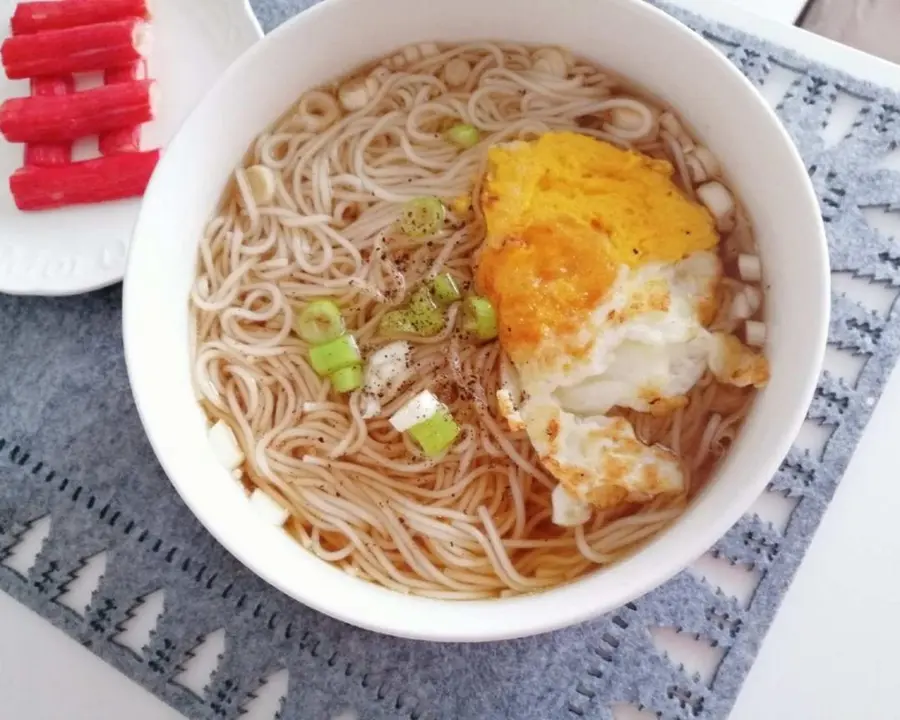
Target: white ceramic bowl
[(627, 36)]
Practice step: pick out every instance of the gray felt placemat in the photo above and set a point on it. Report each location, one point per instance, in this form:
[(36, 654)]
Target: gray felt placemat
[(71, 447)]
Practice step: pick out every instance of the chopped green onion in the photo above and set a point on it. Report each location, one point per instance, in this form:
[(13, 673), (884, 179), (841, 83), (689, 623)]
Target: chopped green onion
[(397, 322), (421, 300), (420, 317), (463, 135), (445, 289), (422, 217), (320, 322), (347, 379), (437, 433), (335, 355), (480, 318), (417, 410)]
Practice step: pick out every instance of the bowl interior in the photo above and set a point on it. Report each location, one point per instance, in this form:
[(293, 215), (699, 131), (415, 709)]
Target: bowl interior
[(626, 36)]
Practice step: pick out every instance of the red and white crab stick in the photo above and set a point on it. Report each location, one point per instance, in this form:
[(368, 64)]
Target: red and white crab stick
[(75, 50), (128, 138), (50, 154), (33, 17), (81, 114), (108, 178)]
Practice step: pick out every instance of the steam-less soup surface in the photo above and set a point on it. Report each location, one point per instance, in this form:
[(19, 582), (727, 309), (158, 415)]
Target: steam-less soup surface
[(476, 320)]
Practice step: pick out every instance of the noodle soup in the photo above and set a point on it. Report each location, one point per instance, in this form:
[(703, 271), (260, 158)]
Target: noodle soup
[(476, 320)]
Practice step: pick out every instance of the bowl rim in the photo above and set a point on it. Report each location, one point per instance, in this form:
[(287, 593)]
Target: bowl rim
[(514, 617)]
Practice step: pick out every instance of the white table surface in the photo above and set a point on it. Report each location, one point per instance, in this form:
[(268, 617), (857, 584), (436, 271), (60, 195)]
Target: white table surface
[(830, 654)]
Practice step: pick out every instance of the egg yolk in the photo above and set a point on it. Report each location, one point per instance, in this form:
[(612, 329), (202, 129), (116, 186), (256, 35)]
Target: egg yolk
[(563, 213), (538, 282)]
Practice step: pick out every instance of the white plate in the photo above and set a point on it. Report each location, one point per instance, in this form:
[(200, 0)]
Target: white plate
[(73, 250)]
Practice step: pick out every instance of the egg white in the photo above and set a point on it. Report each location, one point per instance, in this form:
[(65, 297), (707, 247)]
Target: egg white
[(647, 346), (649, 356)]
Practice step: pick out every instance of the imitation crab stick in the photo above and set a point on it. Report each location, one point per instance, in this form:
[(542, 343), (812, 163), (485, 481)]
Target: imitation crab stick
[(32, 17), (74, 50), (69, 117), (109, 178), (50, 154), (126, 139)]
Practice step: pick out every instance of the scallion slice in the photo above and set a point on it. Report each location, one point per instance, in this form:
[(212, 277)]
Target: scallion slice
[(338, 354), (416, 411), (436, 434), (397, 322), (320, 322), (480, 318), (445, 289), (463, 136), (347, 379), (422, 217), (421, 317)]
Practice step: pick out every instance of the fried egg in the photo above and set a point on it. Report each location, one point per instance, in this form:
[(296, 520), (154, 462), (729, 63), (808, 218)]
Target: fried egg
[(564, 213), (604, 277)]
